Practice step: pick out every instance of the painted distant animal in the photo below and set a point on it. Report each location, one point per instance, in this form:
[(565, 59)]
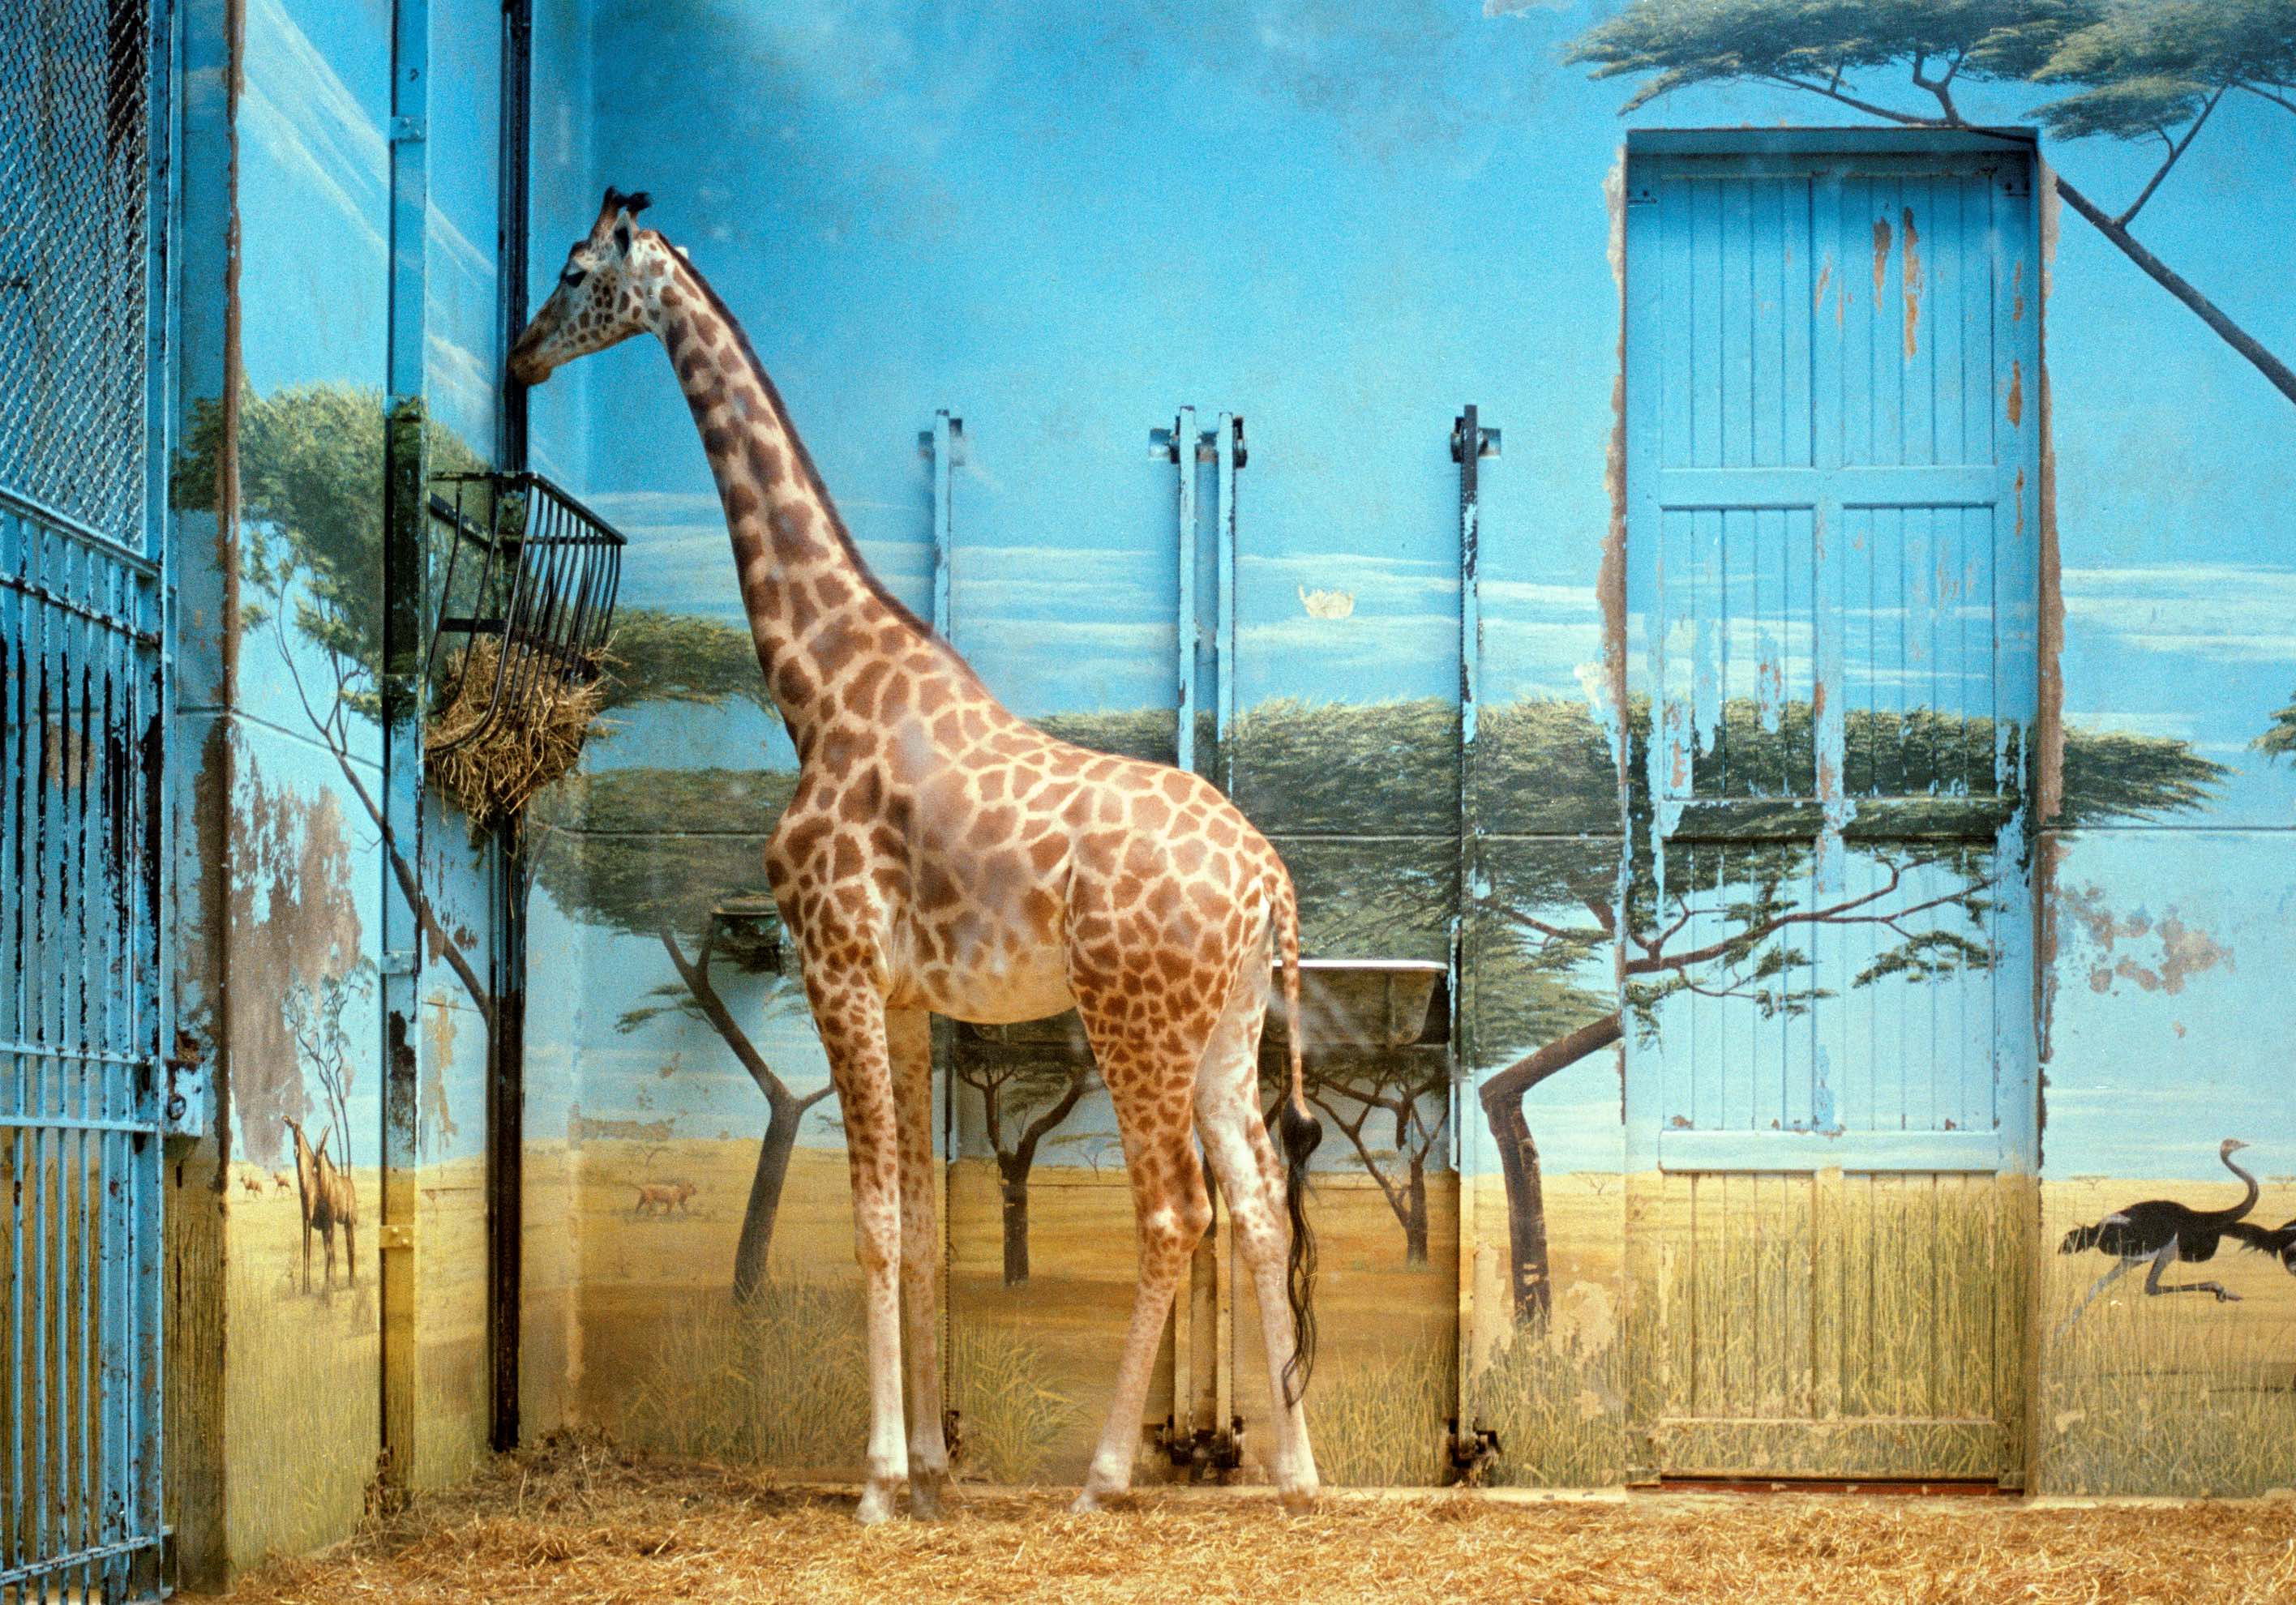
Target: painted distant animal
[(942, 856), (658, 1198), (329, 1202), (252, 1185), (2162, 1231), (2280, 1242), (280, 1182)]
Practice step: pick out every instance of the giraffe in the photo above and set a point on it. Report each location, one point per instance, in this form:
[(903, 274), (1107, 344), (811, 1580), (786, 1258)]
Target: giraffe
[(940, 854)]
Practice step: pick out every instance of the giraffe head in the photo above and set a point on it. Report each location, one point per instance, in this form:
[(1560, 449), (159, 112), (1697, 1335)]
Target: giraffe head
[(606, 293)]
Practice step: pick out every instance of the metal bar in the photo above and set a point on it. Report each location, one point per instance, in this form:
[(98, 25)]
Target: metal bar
[(40, 514), (506, 981), (60, 1123), (1229, 451), (942, 445), (1469, 444), (1184, 456), (403, 618)]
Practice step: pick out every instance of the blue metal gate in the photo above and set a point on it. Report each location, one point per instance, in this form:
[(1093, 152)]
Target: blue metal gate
[(83, 726)]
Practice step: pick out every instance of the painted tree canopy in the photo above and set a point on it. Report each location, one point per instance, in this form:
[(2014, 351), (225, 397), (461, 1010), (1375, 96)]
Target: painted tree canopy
[(2127, 69)]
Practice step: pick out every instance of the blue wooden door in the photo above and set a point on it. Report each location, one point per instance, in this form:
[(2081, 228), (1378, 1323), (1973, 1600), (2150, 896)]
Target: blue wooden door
[(1833, 540)]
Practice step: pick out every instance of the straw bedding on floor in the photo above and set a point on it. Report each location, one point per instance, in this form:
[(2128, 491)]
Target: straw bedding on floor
[(578, 1519)]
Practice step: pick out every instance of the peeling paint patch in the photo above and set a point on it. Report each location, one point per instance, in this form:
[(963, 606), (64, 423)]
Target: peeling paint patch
[(2184, 950), (1880, 259), (2016, 403), (1824, 276)]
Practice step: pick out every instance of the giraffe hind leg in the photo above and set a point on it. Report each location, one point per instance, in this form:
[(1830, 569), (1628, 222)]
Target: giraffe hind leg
[(1172, 1209), (1250, 1178)]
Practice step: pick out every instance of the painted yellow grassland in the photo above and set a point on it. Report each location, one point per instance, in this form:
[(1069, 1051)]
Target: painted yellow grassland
[(301, 1413), (2180, 1393), (2174, 1394), (665, 1359)]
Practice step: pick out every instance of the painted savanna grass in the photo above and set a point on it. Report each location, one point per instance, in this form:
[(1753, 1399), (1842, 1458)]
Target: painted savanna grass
[(2163, 1395), (780, 1381), (1551, 1392), (783, 1382), (1376, 1421), (1013, 1415)]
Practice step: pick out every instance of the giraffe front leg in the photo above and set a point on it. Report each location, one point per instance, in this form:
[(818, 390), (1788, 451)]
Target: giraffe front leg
[(908, 1038), (851, 1021)]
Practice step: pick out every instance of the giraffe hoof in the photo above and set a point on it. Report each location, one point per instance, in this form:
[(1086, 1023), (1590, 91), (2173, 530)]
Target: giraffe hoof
[(926, 1491), (876, 1504)]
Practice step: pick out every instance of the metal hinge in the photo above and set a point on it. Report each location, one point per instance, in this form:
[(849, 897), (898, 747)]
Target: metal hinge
[(409, 130), (1472, 1455), (1641, 194), (395, 1236), (397, 960)]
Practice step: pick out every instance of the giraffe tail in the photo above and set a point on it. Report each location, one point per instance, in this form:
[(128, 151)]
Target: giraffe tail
[(1298, 1131)]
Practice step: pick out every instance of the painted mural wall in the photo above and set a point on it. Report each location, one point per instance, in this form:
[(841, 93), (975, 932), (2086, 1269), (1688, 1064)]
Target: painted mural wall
[(276, 489), (1342, 226)]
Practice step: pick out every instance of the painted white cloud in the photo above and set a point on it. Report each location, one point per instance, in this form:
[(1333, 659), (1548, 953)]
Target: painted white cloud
[(2226, 612)]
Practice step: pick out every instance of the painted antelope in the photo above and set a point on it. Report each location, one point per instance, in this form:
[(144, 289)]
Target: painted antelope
[(329, 1201)]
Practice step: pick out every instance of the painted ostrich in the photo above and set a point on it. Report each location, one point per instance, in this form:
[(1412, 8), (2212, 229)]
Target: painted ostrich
[(2280, 1243), (2162, 1231)]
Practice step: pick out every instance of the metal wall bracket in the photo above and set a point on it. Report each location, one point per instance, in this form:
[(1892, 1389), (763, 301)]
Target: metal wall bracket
[(409, 130), (1471, 1455), (184, 1101)]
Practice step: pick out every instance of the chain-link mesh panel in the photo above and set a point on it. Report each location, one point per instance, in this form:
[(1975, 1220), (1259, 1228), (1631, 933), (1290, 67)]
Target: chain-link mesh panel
[(74, 141)]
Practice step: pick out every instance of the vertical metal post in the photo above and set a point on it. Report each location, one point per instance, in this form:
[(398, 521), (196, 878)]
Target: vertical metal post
[(1470, 443), (1227, 448), (1182, 447), (510, 878), (404, 511), (943, 446)]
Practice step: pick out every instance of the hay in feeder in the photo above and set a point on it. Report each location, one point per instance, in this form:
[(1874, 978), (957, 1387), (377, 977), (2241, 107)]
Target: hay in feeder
[(492, 767)]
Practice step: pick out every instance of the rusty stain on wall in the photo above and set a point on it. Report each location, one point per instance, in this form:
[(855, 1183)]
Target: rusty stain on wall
[(2016, 403), (1880, 259), (2184, 950), (1912, 250), (226, 487)]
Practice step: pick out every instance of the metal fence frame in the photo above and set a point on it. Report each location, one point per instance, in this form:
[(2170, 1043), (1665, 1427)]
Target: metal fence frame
[(89, 1089)]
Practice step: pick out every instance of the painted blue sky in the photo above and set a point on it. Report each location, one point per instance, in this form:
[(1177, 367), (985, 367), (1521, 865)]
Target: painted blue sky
[(1062, 224)]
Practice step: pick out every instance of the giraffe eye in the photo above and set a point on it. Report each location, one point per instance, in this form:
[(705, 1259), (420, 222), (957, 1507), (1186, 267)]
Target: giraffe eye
[(573, 276)]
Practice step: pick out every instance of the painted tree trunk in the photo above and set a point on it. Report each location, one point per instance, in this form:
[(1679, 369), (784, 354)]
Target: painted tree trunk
[(1415, 1214), (1526, 1263), (765, 1206), (1013, 1185)]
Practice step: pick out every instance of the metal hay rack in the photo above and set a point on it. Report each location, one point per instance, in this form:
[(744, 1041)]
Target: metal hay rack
[(523, 561)]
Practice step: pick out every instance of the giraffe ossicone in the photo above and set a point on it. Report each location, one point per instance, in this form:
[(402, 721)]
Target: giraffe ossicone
[(940, 854)]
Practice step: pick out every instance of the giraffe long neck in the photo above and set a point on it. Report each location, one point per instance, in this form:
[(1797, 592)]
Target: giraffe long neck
[(815, 609)]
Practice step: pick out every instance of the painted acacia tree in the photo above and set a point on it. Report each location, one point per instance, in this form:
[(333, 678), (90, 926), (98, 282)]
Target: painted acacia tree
[(2152, 72), (1024, 1098), (310, 466), (677, 858), (1738, 924)]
